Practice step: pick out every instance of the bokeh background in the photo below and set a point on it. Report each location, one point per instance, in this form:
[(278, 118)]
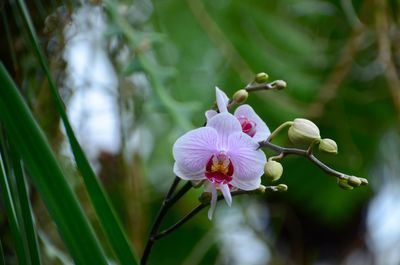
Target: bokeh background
[(140, 73)]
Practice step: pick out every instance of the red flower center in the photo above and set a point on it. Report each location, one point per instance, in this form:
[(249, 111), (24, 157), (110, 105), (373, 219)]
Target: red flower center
[(219, 169), (248, 127)]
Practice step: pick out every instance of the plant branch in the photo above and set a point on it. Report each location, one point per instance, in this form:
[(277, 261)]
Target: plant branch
[(169, 200), (201, 206), (257, 87), (305, 153)]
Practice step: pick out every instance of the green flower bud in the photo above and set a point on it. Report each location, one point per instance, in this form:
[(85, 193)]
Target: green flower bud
[(344, 185), (364, 181), (279, 84), (205, 197), (261, 189), (261, 78), (273, 170), (303, 132), (354, 181), (282, 187), (240, 96), (328, 146)]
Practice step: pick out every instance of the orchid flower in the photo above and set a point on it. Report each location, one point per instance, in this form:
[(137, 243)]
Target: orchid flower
[(221, 154), (251, 123)]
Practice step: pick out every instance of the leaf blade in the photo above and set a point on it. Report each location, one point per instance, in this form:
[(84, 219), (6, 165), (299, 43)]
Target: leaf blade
[(31, 144)]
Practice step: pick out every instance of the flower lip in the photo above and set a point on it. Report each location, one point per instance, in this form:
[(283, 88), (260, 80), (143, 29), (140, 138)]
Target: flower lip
[(219, 169), (248, 126)]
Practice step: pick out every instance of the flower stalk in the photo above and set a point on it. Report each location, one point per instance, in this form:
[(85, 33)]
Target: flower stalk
[(224, 156), (168, 202)]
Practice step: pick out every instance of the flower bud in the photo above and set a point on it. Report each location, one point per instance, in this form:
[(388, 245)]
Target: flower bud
[(205, 197), (279, 84), (261, 189), (261, 78), (344, 185), (364, 181), (273, 170), (303, 132), (354, 181), (282, 187), (240, 96), (328, 146)]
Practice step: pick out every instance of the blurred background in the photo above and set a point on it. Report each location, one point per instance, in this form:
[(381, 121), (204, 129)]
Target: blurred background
[(135, 75)]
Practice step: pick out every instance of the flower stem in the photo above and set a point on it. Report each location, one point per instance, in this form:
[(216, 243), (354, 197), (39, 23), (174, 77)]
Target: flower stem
[(277, 130), (307, 154), (168, 202), (201, 206)]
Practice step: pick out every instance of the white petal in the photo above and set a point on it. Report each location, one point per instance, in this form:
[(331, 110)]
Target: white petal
[(262, 130), (246, 184), (189, 175), (227, 193), (225, 124), (222, 100), (213, 203), (248, 161), (210, 113), (193, 150)]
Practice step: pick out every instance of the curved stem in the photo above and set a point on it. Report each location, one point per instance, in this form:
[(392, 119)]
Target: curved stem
[(264, 86), (257, 87), (201, 206), (169, 200), (277, 130), (294, 151)]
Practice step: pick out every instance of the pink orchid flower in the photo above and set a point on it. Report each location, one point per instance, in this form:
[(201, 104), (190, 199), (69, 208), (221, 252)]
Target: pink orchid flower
[(251, 123), (222, 155)]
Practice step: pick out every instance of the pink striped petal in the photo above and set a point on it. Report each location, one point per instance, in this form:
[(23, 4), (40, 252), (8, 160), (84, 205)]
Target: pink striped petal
[(193, 150), (227, 193), (246, 184), (248, 161), (210, 113), (187, 174), (262, 130), (213, 203), (225, 124), (222, 100)]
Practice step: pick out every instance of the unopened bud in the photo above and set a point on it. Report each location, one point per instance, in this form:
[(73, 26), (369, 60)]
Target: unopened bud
[(303, 132), (261, 78), (240, 96), (282, 187), (364, 181), (279, 84), (344, 185), (261, 189), (273, 170), (354, 181), (205, 197), (328, 146)]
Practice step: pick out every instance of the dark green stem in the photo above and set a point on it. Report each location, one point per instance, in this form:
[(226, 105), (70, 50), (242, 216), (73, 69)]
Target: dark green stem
[(168, 202)]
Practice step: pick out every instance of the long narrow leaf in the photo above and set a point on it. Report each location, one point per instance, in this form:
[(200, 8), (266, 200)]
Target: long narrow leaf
[(26, 210), (31, 144), (101, 203), (2, 261), (12, 218)]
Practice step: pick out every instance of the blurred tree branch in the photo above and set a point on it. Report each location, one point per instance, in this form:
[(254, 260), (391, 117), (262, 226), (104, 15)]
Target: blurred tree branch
[(385, 53)]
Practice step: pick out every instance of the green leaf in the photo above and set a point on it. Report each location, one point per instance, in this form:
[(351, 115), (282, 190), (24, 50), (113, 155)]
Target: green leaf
[(102, 206), (30, 142), (10, 211), (26, 210), (2, 261)]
